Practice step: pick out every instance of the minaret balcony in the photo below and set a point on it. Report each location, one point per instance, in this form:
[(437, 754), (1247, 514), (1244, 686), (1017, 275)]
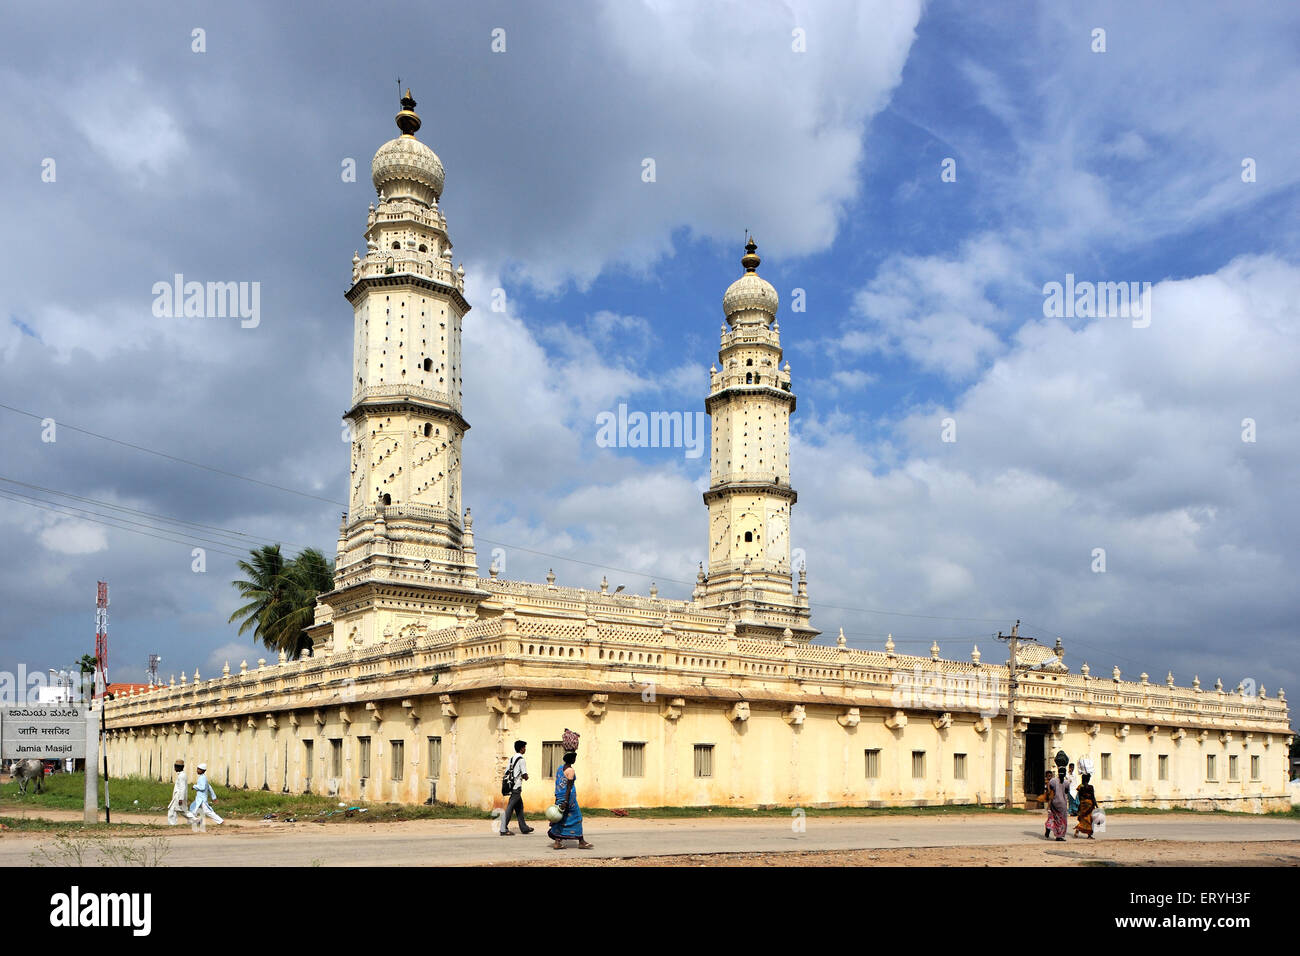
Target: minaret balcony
[(396, 262)]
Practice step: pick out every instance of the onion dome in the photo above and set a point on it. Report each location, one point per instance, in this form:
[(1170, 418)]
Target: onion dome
[(750, 293), (404, 168)]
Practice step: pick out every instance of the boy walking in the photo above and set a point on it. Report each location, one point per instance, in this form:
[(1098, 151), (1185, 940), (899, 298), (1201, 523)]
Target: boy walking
[(518, 771), (204, 797)]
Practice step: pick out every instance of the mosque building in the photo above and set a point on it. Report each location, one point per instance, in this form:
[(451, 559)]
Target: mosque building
[(424, 672)]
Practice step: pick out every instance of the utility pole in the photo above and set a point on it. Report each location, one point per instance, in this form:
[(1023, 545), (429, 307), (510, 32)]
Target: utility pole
[(101, 659), (1011, 709)]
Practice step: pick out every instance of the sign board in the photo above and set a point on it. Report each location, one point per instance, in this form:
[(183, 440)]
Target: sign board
[(43, 731)]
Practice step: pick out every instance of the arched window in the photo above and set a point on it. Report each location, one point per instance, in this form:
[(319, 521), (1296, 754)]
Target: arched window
[(428, 429), (386, 500), (749, 361), (749, 378), (749, 536), (428, 365), (423, 247), (397, 245)]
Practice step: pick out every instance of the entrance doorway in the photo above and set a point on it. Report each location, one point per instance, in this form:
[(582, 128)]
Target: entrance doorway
[(1035, 759)]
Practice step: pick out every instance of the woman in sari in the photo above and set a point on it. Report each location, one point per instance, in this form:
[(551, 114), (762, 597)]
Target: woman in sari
[(569, 826), (1087, 803), (1057, 804)]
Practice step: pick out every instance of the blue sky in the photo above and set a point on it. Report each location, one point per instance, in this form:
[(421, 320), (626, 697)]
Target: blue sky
[(924, 302)]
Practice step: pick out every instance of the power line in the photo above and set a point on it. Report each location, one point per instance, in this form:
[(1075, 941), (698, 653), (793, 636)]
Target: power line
[(242, 535), (546, 554), (183, 461), (110, 521)]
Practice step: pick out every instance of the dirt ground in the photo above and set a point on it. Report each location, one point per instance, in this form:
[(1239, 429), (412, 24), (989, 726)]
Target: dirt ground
[(1073, 853)]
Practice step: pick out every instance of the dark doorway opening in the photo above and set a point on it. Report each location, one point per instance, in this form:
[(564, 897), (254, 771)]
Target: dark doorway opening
[(1035, 760)]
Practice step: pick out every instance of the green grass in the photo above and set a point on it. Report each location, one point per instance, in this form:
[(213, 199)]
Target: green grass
[(41, 825), (136, 795)]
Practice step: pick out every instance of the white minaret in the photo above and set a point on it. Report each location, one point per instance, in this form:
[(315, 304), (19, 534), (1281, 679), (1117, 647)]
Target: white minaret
[(749, 497), (404, 521)]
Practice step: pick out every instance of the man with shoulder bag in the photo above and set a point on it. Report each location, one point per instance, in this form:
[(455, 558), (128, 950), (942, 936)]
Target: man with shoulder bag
[(512, 785)]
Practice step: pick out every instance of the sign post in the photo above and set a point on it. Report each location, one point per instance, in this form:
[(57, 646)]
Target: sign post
[(53, 732)]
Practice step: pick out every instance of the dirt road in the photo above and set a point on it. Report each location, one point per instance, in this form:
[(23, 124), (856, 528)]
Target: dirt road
[(972, 839)]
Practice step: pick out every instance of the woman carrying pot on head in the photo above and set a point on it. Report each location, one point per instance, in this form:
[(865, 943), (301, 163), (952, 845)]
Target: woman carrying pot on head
[(569, 824)]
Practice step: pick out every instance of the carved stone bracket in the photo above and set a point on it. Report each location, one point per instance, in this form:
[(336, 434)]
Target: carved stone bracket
[(448, 706), (1153, 730), (375, 712), (850, 718), (186, 728), (1203, 736), (1178, 734), (1225, 736), (271, 722), (896, 721), (251, 723), (1094, 730), (739, 712), (942, 722), (794, 716), (408, 709), (344, 715), (1246, 739), (319, 716), (672, 709), (1022, 725), (596, 705), (983, 725), (1121, 731)]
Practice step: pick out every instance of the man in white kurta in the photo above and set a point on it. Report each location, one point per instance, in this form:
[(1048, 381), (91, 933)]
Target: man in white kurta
[(204, 796), (179, 788)]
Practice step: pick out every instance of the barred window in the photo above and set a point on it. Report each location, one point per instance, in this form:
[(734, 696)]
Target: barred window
[(918, 764), (1135, 766), (1233, 772), (435, 758), (1254, 768), (633, 759), (1162, 766), (398, 750), (873, 764), (1211, 768), (308, 747), (552, 757), (336, 757), (704, 760), (1105, 766), (363, 746), (959, 766)]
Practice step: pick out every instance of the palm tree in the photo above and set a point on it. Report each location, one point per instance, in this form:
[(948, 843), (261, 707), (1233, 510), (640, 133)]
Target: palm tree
[(281, 596), (88, 664)]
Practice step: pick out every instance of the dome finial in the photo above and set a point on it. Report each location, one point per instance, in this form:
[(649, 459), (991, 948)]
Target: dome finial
[(750, 259), (407, 120)]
